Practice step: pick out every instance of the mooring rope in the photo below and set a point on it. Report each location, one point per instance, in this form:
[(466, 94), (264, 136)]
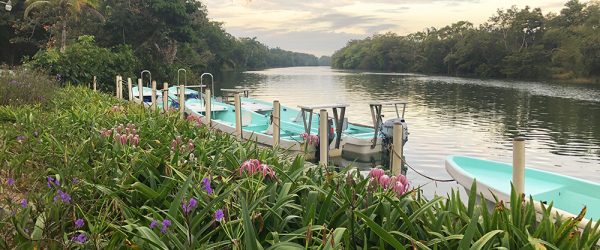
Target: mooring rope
[(419, 173)]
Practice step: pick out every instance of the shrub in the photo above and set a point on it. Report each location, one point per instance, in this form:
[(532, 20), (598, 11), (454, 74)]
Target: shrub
[(22, 86), (83, 60)]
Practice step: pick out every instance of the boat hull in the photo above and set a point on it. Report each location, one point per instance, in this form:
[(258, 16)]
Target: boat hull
[(569, 195)]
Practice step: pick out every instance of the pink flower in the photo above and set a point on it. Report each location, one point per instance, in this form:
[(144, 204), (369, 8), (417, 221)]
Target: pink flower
[(399, 188), (384, 181), (376, 173), (253, 166), (123, 139), (266, 170), (135, 140)]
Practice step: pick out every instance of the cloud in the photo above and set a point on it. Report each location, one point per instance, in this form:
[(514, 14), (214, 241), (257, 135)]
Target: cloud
[(321, 27)]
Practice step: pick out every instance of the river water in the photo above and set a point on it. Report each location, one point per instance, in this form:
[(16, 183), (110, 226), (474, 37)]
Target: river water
[(450, 115)]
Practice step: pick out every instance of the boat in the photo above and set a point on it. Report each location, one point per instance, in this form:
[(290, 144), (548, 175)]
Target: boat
[(357, 141), (146, 92), (255, 126), (569, 195)]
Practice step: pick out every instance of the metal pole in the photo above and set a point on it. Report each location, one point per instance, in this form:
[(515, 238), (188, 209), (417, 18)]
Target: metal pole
[(238, 115), (397, 149), (165, 95), (153, 98), (323, 140), (181, 101), (276, 122), (207, 107), (519, 165), (129, 87), (140, 91), (94, 82)]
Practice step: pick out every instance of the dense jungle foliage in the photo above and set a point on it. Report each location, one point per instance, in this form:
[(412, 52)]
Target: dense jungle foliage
[(128, 36), (514, 43)]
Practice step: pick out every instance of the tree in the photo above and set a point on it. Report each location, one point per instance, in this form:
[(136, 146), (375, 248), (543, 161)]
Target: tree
[(66, 9)]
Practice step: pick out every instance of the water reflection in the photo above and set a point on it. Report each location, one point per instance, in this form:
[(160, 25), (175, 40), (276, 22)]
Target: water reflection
[(449, 115)]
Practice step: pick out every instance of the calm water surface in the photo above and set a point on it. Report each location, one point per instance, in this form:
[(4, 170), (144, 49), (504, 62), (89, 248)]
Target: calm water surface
[(449, 115)]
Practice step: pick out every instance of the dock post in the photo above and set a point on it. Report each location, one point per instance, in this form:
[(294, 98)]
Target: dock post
[(117, 86), (207, 107), (120, 87), (140, 92), (397, 149), (129, 87), (153, 98), (276, 122), (238, 115), (181, 101), (165, 95), (323, 138), (519, 165), (94, 83)]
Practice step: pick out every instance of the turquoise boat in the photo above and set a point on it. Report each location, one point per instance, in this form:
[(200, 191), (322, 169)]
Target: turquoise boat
[(568, 194), (357, 141)]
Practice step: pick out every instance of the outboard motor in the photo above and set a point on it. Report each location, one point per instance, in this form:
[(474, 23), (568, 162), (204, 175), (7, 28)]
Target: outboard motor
[(330, 137), (387, 131)]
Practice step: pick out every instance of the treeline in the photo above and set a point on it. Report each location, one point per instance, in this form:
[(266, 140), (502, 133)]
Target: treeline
[(159, 35), (514, 43)]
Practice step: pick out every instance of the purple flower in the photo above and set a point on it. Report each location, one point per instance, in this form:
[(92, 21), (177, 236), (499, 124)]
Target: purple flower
[(189, 206), (81, 238), (153, 224), (62, 196), (206, 184), (10, 181), (13, 82), (74, 180), (52, 181), (219, 215), (21, 139), (165, 226), (79, 223), (24, 203)]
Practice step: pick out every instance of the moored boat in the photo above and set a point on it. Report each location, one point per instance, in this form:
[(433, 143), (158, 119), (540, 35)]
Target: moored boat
[(569, 195)]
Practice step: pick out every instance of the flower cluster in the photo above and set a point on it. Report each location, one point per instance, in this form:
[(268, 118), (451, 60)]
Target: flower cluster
[(62, 196), (52, 182), (255, 166), (165, 224), (80, 238), (178, 144), (189, 206), (117, 109), (206, 185), (79, 223), (399, 184), (219, 215), (310, 139), (123, 134), (197, 120)]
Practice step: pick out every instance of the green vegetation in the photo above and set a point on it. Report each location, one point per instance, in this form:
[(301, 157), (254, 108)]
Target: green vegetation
[(514, 43), (87, 171), (19, 87), (160, 35)]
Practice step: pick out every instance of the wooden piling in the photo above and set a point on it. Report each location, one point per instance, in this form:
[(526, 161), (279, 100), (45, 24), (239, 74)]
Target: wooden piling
[(165, 95), (397, 148), (153, 98), (129, 87), (323, 138), (519, 165), (276, 122), (117, 86), (207, 107), (140, 91), (238, 115), (181, 101), (94, 82)]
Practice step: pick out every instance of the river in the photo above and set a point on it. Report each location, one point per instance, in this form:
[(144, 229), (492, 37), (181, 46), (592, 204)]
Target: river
[(451, 115)]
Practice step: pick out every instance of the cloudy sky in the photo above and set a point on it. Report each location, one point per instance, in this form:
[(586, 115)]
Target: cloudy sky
[(322, 26)]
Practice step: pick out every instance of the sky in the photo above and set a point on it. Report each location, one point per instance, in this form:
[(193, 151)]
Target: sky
[(321, 27)]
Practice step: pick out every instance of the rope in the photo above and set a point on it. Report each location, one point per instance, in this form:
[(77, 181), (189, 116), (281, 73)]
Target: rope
[(419, 173)]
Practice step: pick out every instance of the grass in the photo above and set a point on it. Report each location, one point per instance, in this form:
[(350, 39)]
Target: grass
[(153, 194)]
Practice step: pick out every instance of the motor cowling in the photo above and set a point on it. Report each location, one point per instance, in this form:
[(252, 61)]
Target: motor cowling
[(387, 128)]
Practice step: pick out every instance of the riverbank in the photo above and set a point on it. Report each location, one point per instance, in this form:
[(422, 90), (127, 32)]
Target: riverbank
[(86, 170)]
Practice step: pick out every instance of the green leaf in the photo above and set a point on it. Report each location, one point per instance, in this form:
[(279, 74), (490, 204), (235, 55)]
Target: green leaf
[(485, 239), (387, 237)]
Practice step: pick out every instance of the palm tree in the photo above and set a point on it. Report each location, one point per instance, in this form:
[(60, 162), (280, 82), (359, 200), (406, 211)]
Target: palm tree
[(66, 9)]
